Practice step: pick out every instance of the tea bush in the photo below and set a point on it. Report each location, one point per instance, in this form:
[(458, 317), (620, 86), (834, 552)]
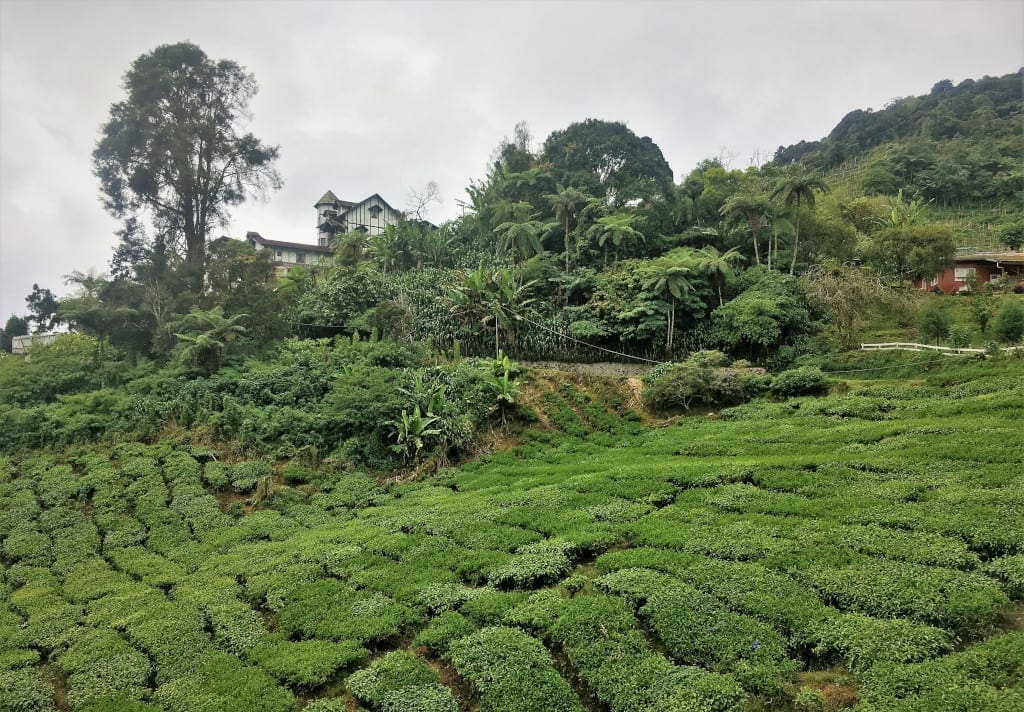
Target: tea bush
[(511, 672), (389, 674)]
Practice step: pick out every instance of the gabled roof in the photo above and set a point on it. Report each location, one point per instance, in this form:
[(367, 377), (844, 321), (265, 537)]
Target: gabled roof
[(352, 206), (329, 199)]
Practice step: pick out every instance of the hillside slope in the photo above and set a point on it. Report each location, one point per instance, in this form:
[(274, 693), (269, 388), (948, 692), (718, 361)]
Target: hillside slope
[(863, 546)]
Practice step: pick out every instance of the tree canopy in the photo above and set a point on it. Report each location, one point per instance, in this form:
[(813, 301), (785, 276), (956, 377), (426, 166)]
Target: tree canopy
[(173, 150), (609, 161)]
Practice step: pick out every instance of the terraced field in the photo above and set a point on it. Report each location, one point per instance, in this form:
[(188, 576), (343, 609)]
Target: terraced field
[(863, 549)]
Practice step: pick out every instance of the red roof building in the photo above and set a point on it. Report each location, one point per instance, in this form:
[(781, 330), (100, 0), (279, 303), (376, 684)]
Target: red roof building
[(983, 266)]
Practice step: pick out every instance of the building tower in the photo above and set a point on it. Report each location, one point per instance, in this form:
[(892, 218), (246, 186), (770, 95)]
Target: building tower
[(326, 208)]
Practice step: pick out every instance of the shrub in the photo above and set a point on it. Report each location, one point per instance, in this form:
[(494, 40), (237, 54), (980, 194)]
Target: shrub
[(217, 475), (860, 641), (394, 671), (245, 475), (512, 672), (1009, 324), (443, 631), (693, 382), (804, 381), (420, 698), (23, 691), (306, 663), (1009, 570), (329, 609), (933, 322), (535, 565), (959, 336)]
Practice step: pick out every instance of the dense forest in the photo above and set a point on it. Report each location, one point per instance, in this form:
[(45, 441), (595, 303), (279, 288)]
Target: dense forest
[(339, 487)]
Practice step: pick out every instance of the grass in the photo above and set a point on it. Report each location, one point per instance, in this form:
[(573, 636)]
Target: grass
[(863, 548)]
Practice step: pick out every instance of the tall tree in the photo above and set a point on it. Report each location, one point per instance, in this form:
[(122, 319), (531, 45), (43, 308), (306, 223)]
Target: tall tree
[(567, 203), (42, 309), (519, 238), (667, 278), (15, 326), (755, 209), (617, 229), (795, 191), (719, 267), (609, 160), (173, 149)]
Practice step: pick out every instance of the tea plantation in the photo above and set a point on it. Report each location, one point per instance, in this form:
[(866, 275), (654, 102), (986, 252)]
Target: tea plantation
[(859, 550)]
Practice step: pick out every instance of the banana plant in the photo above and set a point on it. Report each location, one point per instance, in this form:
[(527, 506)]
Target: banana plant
[(411, 433), (502, 386)]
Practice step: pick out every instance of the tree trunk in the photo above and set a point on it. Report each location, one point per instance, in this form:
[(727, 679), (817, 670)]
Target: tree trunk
[(567, 244), (757, 253), (796, 238), (671, 327)]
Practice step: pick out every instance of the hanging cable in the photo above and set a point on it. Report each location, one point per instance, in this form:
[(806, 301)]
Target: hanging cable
[(575, 340)]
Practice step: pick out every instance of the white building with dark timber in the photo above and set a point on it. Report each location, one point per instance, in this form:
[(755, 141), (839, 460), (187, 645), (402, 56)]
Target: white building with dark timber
[(370, 215), (333, 216)]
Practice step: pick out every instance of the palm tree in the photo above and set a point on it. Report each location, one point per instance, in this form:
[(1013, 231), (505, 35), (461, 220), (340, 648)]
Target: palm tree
[(799, 188), (349, 247), (617, 229), (667, 278), (516, 186), (719, 266), (205, 336), (780, 226), (755, 209), (385, 248), (567, 203), (522, 238)]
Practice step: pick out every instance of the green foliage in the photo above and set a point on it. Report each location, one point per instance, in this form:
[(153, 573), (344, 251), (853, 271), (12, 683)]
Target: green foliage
[(180, 104), (306, 663), (511, 671), (696, 382), (804, 381), (329, 609), (73, 363), (609, 160), (1012, 235), (419, 698), (959, 336), (1009, 323), (24, 691), (534, 565), (774, 313), (245, 475), (393, 672), (911, 252), (205, 338)]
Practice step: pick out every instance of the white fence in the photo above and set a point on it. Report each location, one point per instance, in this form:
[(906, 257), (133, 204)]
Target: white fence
[(944, 350)]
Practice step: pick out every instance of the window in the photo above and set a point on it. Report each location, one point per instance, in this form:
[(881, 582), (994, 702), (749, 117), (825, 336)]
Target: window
[(962, 274), (375, 210), (300, 258), (278, 255)]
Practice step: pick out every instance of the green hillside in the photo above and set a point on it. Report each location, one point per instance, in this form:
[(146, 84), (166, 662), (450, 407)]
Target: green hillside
[(807, 554), (958, 148)]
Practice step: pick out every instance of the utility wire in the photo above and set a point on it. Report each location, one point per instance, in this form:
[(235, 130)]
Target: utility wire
[(575, 340)]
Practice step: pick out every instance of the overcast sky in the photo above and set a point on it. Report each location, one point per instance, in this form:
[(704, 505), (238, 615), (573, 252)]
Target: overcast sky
[(383, 97)]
